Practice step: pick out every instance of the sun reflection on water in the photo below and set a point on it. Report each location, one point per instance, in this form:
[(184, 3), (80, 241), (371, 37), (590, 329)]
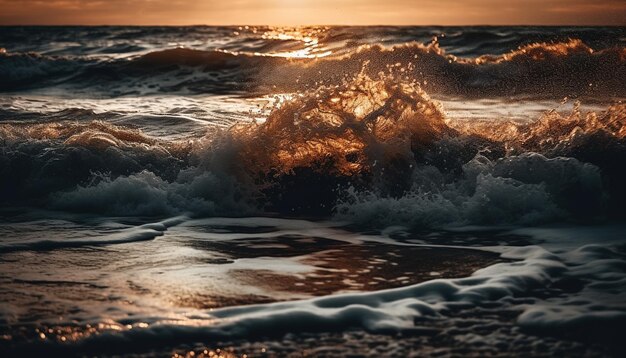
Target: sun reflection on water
[(306, 39)]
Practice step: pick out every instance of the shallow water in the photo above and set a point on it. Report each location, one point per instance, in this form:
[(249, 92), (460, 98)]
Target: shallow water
[(322, 190)]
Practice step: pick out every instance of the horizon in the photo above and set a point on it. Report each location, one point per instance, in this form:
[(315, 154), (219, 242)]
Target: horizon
[(308, 25), (312, 13)]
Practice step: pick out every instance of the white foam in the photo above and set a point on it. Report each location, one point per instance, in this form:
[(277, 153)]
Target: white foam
[(131, 234), (145, 193), (396, 309), (534, 271), (524, 189)]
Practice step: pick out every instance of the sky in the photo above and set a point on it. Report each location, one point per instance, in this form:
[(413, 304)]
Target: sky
[(311, 12)]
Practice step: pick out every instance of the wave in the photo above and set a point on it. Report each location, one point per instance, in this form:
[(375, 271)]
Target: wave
[(461, 41), (569, 68), (144, 232), (374, 151), (116, 169), (30, 70), (528, 189), (551, 69)]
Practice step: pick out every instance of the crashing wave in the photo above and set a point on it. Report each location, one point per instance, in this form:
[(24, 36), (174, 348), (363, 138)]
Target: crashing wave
[(371, 149)]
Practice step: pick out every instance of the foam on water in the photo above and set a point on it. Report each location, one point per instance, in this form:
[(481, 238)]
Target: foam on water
[(139, 233), (552, 289), (527, 189)]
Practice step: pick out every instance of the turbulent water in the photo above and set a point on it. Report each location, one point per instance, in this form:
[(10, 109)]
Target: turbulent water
[(314, 190)]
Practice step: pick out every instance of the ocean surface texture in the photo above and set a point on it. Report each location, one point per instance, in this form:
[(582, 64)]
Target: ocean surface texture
[(316, 191)]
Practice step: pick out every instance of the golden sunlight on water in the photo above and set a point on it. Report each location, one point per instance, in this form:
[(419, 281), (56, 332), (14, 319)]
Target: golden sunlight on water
[(299, 42)]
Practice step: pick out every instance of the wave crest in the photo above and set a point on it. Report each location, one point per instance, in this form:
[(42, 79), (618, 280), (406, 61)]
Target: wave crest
[(569, 68), (344, 129), (338, 148)]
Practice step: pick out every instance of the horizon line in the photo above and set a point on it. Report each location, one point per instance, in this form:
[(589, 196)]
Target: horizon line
[(310, 25)]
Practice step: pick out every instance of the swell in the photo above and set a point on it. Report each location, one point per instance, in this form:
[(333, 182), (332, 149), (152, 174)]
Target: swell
[(543, 69), (31, 70), (376, 152), (569, 68), (461, 41)]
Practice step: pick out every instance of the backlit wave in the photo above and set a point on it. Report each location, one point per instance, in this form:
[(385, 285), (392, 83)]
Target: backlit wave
[(366, 146), (569, 68)]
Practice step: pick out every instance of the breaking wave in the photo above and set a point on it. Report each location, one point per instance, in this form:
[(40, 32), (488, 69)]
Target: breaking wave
[(374, 150), (528, 189)]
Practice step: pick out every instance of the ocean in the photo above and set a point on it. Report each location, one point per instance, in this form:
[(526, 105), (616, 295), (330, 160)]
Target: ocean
[(312, 191)]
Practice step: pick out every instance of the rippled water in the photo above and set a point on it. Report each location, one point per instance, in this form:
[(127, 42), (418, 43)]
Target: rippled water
[(315, 190)]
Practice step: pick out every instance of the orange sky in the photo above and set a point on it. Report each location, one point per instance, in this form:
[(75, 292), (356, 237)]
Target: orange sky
[(300, 12)]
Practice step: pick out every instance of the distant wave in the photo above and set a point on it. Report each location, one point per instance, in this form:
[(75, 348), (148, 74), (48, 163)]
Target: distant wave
[(31, 70), (568, 68), (542, 69), (465, 41)]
